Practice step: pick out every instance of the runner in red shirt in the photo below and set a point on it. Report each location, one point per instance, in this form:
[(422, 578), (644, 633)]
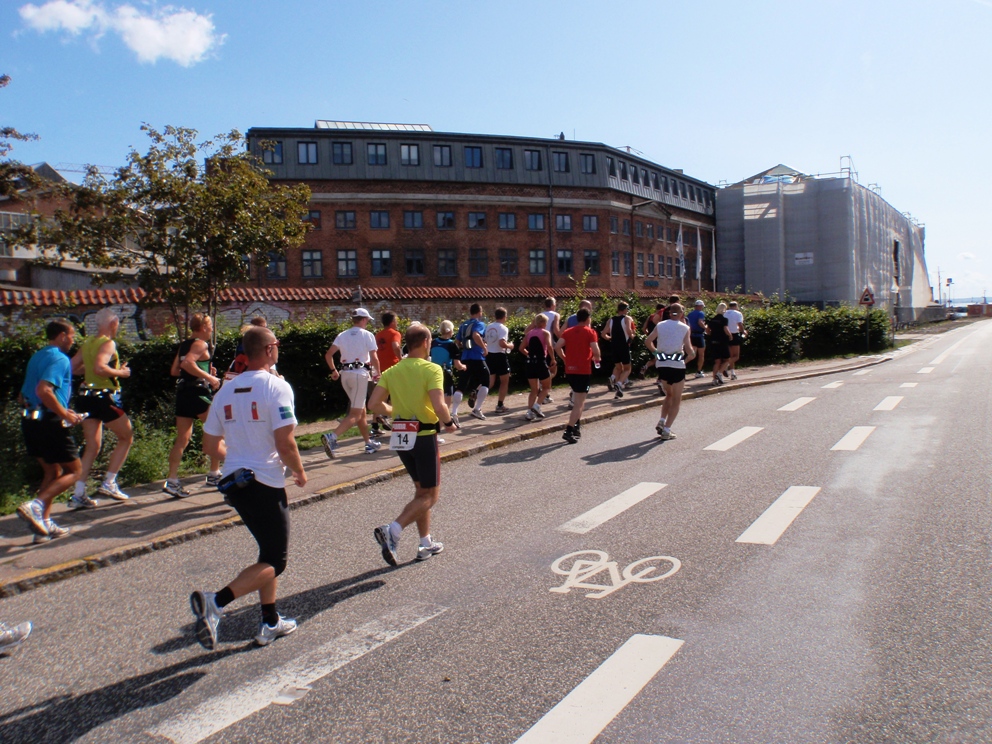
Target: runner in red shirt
[(389, 349), (579, 349)]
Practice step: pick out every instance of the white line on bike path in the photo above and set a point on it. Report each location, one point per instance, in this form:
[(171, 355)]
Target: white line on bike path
[(599, 698), (796, 404), (861, 372), (833, 385), (219, 712), (775, 520), (732, 440), (909, 384), (924, 371), (853, 439), (609, 509), (944, 354), (888, 403)]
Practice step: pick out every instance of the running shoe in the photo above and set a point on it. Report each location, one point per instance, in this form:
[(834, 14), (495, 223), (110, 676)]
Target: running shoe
[(628, 385), (330, 442), (372, 447), (660, 428), (547, 400), (113, 491), (569, 435), (454, 420), (54, 531), (530, 414), (268, 633), (39, 539), (383, 423), (213, 479), (726, 373), (82, 502), (32, 512), (667, 434), (477, 414), (717, 381), (537, 410), (208, 616), (699, 374), (385, 539), (175, 489), (500, 408), (619, 393), (733, 375), (13, 635), (611, 383), (424, 554), (577, 430)]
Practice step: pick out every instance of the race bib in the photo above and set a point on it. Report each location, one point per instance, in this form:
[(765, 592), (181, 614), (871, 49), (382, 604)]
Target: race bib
[(404, 435)]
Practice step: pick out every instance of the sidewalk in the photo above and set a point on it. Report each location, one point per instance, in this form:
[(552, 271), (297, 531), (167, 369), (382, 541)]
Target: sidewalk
[(151, 520)]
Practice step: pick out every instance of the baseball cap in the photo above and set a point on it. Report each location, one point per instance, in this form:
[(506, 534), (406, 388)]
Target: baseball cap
[(360, 313), (700, 303)]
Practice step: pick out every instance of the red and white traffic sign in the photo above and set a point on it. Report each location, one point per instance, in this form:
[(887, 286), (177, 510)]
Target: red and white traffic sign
[(867, 298)]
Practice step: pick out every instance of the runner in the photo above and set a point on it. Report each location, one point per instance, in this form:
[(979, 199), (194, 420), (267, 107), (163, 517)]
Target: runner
[(554, 328), (697, 335), (719, 342), (99, 397), (573, 318), (389, 348), (194, 391), (735, 322), (476, 376), (256, 418), (660, 313), (619, 332), (45, 425), (497, 358), (418, 410), (669, 342), (357, 347), (444, 352), (579, 349), (240, 362), (536, 346)]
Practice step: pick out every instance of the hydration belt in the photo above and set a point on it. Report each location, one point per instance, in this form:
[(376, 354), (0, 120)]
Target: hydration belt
[(85, 392), (197, 382), (355, 365), (38, 414), (676, 357), (423, 426)]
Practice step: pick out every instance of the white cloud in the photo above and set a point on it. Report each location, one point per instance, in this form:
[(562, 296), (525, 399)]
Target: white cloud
[(967, 256), (184, 36)]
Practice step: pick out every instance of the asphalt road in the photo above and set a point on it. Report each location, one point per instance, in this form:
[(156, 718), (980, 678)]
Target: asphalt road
[(860, 612)]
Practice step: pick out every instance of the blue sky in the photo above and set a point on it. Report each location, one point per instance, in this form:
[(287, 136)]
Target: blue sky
[(721, 89)]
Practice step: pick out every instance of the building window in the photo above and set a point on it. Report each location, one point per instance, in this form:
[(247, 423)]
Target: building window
[(537, 261), (377, 153), (591, 259), (476, 220), (313, 217), (442, 156), (478, 262), (379, 220), (682, 189), (382, 262), (639, 229), (473, 157), (409, 154), (415, 262), (272, 155), (413, 220), (633, 174), (699, 195), (563, 222), (650, 264), (654, 182), (564, 261), (590, 223), (344, 220), (626, 227), (611, 166), (661, 232), (447, 262), (640, 264), (623, 171), (276, 268), (532, 160), (587, 163), (507, 262), (644, 177), (650, 231), (559, 161), (445, 220), (535, 222), (504, 158), (341, 153), (313, 264), (306, 153), (627, 263), (615, 263), (507, 221), (614, 225), (664, 184), (671, 270), (347, 263)]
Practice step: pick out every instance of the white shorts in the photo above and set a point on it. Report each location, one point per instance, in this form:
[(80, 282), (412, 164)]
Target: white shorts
[(356, 386)]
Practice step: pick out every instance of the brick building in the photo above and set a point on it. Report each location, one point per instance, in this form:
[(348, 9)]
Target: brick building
[(403, 206)]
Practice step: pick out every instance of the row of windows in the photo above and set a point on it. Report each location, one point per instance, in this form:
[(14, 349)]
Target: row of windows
[(414, 220), (342, 153), (658, 182), (666, 266)]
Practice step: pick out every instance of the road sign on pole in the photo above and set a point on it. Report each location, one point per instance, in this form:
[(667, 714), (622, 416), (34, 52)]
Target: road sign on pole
[(867, 298)]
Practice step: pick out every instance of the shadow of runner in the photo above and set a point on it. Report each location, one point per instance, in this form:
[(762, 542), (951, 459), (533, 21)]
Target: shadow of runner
[(525, 455), (622, 454), (69, 717)]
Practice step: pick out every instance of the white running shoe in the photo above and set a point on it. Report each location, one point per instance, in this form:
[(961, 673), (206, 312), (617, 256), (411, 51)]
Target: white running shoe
[(330, 442), (13, 635), (537, 410), (268, 633), (733, 375), (82, 502), (424, 554), (477, 414), (372, 447), (388, 543), (112, 491), (32, 512), (530, 414), (175, 489), (699, 374), (54, 531), (667, 434), (208, 616), (547, 400)]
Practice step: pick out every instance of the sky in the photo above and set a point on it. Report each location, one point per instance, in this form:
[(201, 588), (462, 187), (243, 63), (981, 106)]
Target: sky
[(722, 89)]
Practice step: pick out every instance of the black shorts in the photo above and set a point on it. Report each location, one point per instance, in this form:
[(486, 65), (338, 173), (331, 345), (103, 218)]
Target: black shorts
[(192, 401), (718, 351), (579, 383), (698, 342), (537, 371), (423, 462), (621, 353), (736, 340), (448, 382), (48, 440), (671, 375), (498, 363), (265, 513), (102, 405), (476, 373)]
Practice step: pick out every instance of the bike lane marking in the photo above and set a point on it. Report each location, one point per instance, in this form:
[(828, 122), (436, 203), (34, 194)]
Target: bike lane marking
[(599, 698), (853, 439), (861, 372), (775, 520), (796, 404), (888, 403), (909, 384), (833, 385), (944, 354), (924, 371), (587, 564), (611, 508), (732, 440), (289, 681)]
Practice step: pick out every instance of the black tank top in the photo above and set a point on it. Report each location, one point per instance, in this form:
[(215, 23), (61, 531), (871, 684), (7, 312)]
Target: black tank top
[(617, 333), (203, 364)]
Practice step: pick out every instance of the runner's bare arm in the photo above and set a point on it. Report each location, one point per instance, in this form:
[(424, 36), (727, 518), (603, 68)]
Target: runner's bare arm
[(441, 409), (101, 365), (378, 404), (289, 453), (329, 358), (199, 350), (45, 392), (597, 355)]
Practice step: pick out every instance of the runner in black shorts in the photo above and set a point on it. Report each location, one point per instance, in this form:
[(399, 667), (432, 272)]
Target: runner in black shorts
[(669, 343), (579, 348), (536, 345)]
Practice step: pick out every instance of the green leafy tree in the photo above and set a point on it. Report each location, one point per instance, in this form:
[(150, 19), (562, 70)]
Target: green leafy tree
[(14, 176), (186, 216)]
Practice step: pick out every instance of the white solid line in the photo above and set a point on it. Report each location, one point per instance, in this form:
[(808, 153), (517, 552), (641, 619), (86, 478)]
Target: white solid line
[(732, 440), (909, 384), (796, 404), (609, 509), (924, 371), (853, 439), (833, 385), (943, 355), (217, 713), (861, 372), (769, 527), (598, 699), (888, 403)]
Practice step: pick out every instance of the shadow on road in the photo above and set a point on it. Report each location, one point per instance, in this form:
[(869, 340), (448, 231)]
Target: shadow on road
[(526, 455), (622, 454)]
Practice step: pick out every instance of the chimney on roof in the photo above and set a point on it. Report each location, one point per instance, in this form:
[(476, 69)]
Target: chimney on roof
[(561, 136)]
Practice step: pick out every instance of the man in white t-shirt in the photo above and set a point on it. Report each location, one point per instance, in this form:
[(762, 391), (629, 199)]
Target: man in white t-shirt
[(735, 322), (498, 348), (359, 364), (554, 327), (255, 415), (669, 343)]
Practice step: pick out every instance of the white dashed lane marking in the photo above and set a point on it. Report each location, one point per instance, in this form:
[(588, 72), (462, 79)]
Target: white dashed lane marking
[(889, 403), (909, 384), (796, 404), (861, 372), (769, 527), (944, 354), (833, 385), (925, 371), (732, 440), (609, 509), (853, 439)]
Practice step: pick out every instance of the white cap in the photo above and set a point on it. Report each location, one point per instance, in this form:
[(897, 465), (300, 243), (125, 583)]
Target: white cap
[(700, 303), (360, 313)]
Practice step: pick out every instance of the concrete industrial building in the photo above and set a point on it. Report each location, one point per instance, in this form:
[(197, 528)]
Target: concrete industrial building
[(821, 239)]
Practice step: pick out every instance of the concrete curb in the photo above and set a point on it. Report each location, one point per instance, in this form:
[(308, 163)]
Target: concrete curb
[(91, 563)]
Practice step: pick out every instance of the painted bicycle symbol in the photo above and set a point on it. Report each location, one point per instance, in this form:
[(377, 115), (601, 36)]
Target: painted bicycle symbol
[(579, 567)]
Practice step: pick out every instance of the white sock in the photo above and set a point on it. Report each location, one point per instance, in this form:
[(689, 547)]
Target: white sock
[(456, 400), (480, 396), (110, 479), (395, 530), (426, 542), (80, 489)]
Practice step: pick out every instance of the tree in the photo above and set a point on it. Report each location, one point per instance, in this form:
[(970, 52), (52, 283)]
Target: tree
[(188, 216), (14, 176)]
